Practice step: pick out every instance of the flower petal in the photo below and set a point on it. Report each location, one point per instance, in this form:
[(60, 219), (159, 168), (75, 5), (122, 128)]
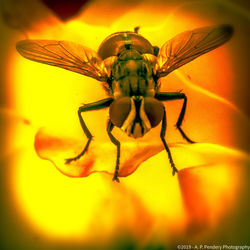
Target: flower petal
[(99, 157), (210, 185)]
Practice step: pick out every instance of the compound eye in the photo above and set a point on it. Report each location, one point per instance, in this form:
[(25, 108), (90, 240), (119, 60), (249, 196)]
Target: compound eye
[(119, 110), (154, 110)]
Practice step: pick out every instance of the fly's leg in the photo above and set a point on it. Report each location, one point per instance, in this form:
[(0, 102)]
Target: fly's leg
[(162, 135), (176, 96), (117, 143), (156, 50), (180, 119), (88, 107)]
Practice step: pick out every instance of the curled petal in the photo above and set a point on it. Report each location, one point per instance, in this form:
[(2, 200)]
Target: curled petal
[(100, 157)]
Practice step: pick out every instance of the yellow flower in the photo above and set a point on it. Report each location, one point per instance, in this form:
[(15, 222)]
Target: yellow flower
[(207, 202)]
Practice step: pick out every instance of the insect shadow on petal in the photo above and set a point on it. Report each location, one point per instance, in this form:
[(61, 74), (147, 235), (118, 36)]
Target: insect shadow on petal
[(130, 69)]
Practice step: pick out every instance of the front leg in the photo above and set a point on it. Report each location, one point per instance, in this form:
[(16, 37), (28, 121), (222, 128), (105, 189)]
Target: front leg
[(118, 145), (163, 132), (88, 107), (169, 96)]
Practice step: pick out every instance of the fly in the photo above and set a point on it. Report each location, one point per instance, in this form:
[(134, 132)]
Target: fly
[(130, 69)]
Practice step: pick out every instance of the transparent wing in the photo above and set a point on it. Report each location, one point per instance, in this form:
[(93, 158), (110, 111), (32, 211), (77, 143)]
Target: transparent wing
[(67, 55), (188, 45)]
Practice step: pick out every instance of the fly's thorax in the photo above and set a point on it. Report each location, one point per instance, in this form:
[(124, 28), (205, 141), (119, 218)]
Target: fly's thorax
[(136, 115), (133, 85), (132, 75)]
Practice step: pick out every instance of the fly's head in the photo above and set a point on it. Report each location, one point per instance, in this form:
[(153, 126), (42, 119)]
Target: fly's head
[(136, 115)]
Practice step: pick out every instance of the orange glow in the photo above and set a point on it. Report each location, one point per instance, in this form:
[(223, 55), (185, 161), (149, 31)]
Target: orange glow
[(149, 205)]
